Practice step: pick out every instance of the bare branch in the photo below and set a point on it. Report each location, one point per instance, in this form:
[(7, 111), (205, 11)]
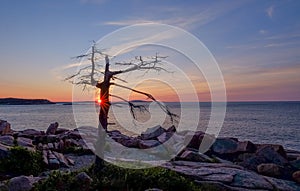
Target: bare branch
[(132, 106), (146, 64), (164, 108)]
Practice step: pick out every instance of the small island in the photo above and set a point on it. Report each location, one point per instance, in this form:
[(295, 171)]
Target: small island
[(20, 101)]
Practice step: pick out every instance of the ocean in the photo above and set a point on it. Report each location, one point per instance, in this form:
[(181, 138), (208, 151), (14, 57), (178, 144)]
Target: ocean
[(259, 122)]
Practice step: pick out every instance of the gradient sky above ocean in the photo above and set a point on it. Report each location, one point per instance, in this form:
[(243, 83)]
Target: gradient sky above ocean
[(256, 43)]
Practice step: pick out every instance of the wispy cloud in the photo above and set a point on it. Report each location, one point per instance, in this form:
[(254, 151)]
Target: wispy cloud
[(263, 32), (270, 11), (187, 18)]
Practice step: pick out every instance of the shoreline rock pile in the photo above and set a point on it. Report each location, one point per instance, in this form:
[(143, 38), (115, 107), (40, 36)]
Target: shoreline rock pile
[(229, 164)]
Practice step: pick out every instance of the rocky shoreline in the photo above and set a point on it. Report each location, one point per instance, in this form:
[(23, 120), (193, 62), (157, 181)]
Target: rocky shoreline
[(229, 164)]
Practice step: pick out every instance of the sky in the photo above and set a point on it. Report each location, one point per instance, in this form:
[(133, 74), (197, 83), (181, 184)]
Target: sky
[(255, 43)]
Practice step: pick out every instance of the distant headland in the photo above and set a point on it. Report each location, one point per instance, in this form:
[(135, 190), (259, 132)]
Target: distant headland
[(20, 101)]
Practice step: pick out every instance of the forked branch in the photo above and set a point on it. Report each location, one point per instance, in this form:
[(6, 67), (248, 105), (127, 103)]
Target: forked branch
[(132, 106), (163, 107), (144, 64)]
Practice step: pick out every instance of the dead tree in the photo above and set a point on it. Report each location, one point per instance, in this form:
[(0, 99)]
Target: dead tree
[(90, 76)]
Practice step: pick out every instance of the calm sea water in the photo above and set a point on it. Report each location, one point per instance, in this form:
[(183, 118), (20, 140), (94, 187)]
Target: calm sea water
[(260, 122)]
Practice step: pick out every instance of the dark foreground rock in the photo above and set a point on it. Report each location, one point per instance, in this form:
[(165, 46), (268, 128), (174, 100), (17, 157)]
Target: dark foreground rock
[(22, 183), (229, 177), (229, 164)]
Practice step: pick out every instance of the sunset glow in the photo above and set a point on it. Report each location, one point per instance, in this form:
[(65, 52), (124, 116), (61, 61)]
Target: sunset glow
[(256, 49), (99, 100)]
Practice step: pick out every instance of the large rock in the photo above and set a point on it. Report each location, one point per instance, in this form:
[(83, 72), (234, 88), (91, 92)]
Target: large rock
[(224, 146), (152, 133), (296, 176), (269, 169), (7, 140), (193, 139), (4, 127), (24, 142), (230, 177), (283, 185), (22, 183), (230, 148), (272, 155), (278, 148), (266, 154), (52, 128), (30, 133)]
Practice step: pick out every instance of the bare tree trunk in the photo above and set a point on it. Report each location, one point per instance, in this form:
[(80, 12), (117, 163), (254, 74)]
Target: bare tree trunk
[(103, 116)]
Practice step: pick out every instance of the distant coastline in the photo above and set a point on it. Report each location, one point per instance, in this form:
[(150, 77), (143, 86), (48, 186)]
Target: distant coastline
[(20, 101)]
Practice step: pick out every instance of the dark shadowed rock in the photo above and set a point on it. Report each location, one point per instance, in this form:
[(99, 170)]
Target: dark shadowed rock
[(293, 155), (51, 138), (246, 146), (296, 176), (269, 169), (73, 135), (296, 164), (4, 151), (83, 180), (224, 146), (22, 183), (53, 164), (52, 128), (3, 187), (171, 129), (244, 156), (152, 133), (271, 154), (4, 127), (145, 144), (266, 154), (278, 148), (30, 133), (193, 139)]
